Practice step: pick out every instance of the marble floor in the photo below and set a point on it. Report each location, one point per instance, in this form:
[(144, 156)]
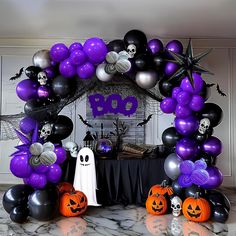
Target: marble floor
[(119, 220)]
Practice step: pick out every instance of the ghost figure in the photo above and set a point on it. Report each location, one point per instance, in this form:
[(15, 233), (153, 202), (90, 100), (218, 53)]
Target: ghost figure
[(85, 175), (204, 125)]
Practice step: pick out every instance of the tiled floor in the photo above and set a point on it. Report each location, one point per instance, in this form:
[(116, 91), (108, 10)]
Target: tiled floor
[(119, 220)]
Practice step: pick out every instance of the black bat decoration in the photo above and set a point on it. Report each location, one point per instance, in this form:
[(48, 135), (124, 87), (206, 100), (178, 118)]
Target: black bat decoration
[(145, 121), (18, 75), (84, 121), (210, 85), (220, 91)]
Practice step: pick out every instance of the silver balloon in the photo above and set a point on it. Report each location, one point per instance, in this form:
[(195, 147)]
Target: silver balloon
[(42, 59), (171, 166), (146, 79), (112, 57), (123, 65), (36, 149), (110, 69), (102, 74), (48, 158)]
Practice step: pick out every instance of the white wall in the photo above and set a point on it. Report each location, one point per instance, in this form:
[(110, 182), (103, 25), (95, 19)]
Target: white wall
[(222, 62)]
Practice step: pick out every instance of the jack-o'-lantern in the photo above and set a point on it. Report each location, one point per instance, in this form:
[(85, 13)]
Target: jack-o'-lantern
[(162, 189), (73, 226), (156, 204), (73, 203), (196, 209), (195, 229), (64, 187)]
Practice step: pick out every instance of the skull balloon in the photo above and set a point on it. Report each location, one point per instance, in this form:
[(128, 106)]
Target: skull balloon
[(131, 49), (204, 125), (42, 78), (176, 205), (46, 131), (72, 148)]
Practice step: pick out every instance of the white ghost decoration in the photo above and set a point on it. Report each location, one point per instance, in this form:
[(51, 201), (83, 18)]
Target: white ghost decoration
[(85, 175)]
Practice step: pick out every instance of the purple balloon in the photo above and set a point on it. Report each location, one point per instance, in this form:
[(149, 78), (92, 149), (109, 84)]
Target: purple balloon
[(50, 72), (183, 98), (66, 69), (27, 124), (78, 57), (20, 167), (96, 50), (174, 46), (185, 181), (75, 46), (54, 173), (198, 84), (186, 148), (170, 68), (197, 103), (176, 91), (186, 167), (44, 91), (61, 154), (212, 146), (27, 89), (186, 126), (200, 164), (168, 105), (199, 177), (215, 178), (59, 52), (37, 181), (182, 111), (155, 46), (41, 169), (86, 71)]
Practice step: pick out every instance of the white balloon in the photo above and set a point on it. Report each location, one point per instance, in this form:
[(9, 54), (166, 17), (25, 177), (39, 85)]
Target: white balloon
[(123, 65), (102, 74), (42, 59), (36, 149), (112, 57), (48, 158), (146, 79)]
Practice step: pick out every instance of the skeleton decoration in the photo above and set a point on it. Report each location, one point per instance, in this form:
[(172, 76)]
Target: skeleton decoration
[(42, 78), (131, 49), (176, 205), (204, 125), (72, 148), (46, 131)]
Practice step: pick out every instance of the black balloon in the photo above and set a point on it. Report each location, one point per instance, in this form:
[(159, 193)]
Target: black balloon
[(158, 62), (178, 190), (206, 91), (15, 196), (43, 204), (19, 214), (213, 112), (32, 72), (219, 214), (200, 138), (166, 87), (143, 61), (116, 45), (63, 87), (192, 190), (170, 137), (210, 160)]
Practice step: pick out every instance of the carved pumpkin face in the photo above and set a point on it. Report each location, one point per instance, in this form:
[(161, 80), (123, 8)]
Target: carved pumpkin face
[(196, 209), (156, 205), (73, 203), (162, 189), (64, 187), (194, 229)]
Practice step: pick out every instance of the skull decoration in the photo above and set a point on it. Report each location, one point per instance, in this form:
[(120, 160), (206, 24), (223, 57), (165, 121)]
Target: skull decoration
[(72, 148), (46, 131), (131, 49), (42, 78), (176, 205), (204, 125)]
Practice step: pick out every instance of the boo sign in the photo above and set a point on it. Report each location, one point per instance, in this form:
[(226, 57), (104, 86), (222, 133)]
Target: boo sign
[(113, 103)]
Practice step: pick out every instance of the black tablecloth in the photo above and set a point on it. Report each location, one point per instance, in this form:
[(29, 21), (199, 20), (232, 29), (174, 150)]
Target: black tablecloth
[(127, 181)]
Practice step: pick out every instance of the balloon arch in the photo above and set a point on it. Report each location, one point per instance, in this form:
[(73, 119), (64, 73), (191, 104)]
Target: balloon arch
[(62, 74)]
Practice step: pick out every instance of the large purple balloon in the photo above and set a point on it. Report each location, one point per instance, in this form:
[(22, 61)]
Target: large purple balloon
[(155, 46), (96, 50), (184, 98), (20, 167), (198, 84), (75, 46), (186, 148), (61, 154), (168, 105), (78, 57), (27, 125), (197, 103), (215, 178), (37, 181), (186, 126), (59, 52), (170, 68), (54, 173), (66, 68), (175, 46), (212, 146), (86, 71), (182, 111), (27, 89)]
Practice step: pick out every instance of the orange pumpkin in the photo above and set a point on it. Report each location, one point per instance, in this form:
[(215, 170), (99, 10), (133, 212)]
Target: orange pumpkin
[(73, 203), (195, 229), (162, 189), (196, 209), (64, 187), (156, 204)]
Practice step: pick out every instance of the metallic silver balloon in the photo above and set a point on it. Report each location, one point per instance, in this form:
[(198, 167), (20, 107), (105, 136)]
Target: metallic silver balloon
[(171, 166), (48, 158), (112, 57), (146, 79), (42, 59), (102, 74), (36, 149)]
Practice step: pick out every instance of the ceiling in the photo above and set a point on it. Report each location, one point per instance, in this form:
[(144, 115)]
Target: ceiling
[(111, 19)]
